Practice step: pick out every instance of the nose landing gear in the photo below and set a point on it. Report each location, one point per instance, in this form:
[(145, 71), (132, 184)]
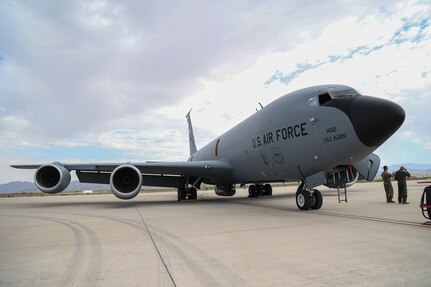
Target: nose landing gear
[(306, 199)]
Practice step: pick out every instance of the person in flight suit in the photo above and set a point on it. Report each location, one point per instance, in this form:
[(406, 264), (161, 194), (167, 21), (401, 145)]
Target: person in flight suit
[(386, 176), (401, 176)]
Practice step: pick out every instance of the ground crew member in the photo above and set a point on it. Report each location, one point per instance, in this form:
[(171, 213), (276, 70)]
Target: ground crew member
[(386, 176), (400, 176)]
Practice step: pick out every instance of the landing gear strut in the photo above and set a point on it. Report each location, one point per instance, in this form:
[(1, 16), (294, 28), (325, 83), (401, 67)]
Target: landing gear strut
[(306, 199), (187, 193), (256, 190)]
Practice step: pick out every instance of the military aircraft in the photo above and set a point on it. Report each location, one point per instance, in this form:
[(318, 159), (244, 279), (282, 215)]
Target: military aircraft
[(320, 135)]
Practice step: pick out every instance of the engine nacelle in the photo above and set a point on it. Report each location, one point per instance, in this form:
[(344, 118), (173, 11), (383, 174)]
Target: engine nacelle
[(52, 178), (224, 190), (126, 181), (347, 177)]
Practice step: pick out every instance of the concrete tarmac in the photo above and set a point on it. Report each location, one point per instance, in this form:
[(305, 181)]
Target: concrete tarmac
[(153, 240)]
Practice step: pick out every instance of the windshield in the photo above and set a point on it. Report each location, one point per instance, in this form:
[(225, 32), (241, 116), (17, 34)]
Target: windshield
[(327, 95), (344, 93)]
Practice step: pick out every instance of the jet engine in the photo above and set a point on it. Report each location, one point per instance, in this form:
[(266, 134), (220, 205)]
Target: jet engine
[(126, 181), (341, 178), (52, 178), (224, 190)]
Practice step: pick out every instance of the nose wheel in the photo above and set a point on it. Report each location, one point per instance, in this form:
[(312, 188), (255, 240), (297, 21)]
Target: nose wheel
[(308, 199)]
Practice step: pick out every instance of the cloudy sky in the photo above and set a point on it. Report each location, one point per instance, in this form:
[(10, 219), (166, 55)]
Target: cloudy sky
[(112, 81)]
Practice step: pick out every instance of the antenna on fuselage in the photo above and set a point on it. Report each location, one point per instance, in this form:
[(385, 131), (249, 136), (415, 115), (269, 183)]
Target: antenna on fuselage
[(192, 144), (261, 107)]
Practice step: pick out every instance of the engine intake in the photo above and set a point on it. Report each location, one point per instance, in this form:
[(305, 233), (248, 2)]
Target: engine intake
[(126, 181), (52, 178)]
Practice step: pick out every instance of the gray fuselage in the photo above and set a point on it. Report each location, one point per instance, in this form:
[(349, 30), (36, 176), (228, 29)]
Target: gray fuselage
[(289, 139)]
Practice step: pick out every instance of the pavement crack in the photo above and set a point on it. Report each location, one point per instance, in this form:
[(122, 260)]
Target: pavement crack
[(156, 247)]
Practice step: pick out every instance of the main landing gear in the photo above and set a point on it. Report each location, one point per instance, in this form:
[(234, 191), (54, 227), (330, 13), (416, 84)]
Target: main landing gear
[(255, 190), (187, 193), (306, 199)]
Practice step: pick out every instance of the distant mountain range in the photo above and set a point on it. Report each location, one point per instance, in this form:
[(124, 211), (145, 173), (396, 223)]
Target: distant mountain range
[(26, 186), (410, 167)]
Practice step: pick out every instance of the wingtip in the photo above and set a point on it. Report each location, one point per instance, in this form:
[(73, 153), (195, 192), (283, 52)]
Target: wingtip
[(188, 113)]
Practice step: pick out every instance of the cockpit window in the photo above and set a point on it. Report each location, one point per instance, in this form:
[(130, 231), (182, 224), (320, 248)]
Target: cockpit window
[(329, 94), (344, 93), (323, 98), (312, 102)]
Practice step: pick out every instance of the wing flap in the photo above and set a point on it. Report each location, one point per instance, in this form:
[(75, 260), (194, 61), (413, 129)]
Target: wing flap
[(148, 180)]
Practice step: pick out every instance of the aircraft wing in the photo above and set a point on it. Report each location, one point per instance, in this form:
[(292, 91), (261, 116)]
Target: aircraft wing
[(99, 172)]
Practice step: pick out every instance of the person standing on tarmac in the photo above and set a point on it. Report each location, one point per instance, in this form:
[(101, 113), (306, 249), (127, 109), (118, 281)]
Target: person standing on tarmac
[(401, 176), (386, 176)]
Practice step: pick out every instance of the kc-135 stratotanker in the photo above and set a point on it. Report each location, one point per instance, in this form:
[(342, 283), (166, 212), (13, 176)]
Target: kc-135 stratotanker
[(320, 135)]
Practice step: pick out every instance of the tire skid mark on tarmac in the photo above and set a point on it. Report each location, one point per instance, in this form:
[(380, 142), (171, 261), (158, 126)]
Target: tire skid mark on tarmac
[(93, 268), (333, 214), (178, 246), (75, 267), (75, 260), (188, 252), (136, 225), (164, 278), (197, 271), (163, 250), (183, 249)]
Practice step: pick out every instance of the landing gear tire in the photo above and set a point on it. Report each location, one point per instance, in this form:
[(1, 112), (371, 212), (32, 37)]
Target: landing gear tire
[(181, 193), (193, 193), (317, 199), (303, 199), (259, 190), (268, 189), (187, 193), (252, 191)]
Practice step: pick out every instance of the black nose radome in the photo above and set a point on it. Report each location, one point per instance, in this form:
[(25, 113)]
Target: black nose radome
[(373, 119)]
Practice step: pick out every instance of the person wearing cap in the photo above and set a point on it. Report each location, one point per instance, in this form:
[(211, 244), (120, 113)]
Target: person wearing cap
[(387, 184), (400, 177)]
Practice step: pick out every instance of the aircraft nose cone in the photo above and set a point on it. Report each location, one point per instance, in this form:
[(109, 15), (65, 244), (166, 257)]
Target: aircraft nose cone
[(373, 119)]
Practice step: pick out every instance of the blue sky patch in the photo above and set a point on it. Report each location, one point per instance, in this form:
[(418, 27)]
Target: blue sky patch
[(413, 151), (399, 37)]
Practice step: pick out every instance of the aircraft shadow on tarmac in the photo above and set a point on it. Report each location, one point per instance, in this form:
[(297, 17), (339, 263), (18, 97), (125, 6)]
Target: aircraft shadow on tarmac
[(203, 198)]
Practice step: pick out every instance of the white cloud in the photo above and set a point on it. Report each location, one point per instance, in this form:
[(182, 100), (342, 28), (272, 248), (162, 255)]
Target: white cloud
[(122, 75)]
